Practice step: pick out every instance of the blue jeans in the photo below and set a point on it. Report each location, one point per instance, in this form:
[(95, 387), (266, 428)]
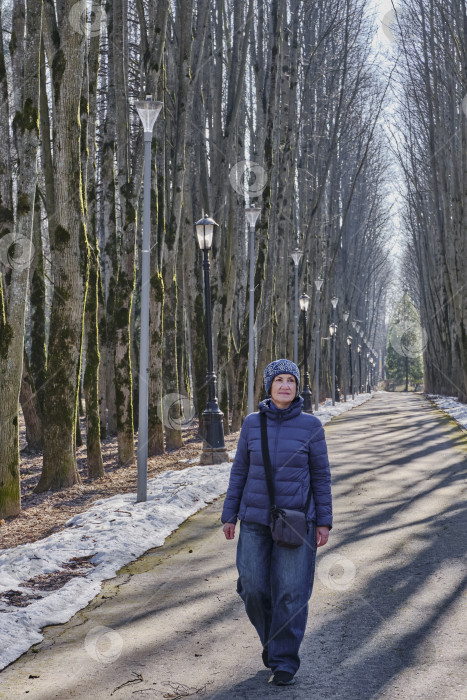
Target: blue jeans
[(275, 584)]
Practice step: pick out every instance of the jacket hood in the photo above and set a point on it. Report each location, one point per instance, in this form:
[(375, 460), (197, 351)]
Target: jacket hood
[(269, 407)]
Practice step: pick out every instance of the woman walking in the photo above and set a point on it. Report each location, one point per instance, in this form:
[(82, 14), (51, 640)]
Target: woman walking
[(275, 582)]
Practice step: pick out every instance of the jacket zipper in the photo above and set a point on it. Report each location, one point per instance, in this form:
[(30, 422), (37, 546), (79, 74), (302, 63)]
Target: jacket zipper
[(275, 444)]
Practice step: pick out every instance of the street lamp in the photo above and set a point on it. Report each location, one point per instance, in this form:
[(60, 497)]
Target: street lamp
[(296, 256), (334, 301), (306, 393), (345, 316), (367, 372), (148, 111), (252, 214), (332, 333), (318, 285), (349, 344), (359, 350), (212, 428)]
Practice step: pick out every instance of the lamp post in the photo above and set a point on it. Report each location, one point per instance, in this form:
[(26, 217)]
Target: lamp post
[(296, 256), (252, 214), (318, 285), (345, 316), (332, 332), (359, 350), (349, 344), (212, 428), (148, 111), (354, 369), (306, 393), (361, 334)]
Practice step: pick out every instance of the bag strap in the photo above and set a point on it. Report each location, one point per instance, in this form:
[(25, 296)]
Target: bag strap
[(266, 458), (267, 464)]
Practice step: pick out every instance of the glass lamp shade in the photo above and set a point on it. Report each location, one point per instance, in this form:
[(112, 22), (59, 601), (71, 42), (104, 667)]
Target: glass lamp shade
[(361, 332), (357, 327), (319, 283), (354, 325), (332, 329), (252, 214), (204, 231), (148, 111), (345, 316), (359, 348), (334, 301), (304, 301), (296, 256), (349, 340)]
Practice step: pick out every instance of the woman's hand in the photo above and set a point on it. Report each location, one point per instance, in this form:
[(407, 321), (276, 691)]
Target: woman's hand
[(229, 531), (322, 534)]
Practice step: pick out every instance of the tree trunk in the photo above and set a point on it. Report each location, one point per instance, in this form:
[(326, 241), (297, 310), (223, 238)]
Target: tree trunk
[(30, 408), (128, 200), (109, 249), (91, 374), (12, 312), (69, 252)]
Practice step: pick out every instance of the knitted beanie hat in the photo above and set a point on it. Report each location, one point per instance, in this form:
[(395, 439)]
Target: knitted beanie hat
[(280, 367)]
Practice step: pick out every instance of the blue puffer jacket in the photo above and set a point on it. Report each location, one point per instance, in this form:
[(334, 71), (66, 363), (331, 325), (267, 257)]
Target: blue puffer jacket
[(297, 449)]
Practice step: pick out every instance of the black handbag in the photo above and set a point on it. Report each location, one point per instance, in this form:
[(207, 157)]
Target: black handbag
[(288, 527)]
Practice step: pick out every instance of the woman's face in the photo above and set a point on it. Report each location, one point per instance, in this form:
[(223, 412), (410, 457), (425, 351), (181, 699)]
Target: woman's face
[(283, 390)]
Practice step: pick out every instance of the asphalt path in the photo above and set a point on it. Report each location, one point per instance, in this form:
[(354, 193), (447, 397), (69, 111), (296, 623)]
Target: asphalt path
[(388, 611)]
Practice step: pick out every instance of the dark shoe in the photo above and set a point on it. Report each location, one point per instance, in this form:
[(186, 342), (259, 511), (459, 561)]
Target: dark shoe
[(283, 678), (264, 656)]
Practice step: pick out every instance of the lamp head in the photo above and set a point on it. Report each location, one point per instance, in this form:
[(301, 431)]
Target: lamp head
[(252, 214), (148, 111), (304, 302), (296, 256), (204, 231)]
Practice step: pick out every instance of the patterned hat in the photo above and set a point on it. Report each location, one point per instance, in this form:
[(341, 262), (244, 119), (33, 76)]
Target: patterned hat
[(280, 367)]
